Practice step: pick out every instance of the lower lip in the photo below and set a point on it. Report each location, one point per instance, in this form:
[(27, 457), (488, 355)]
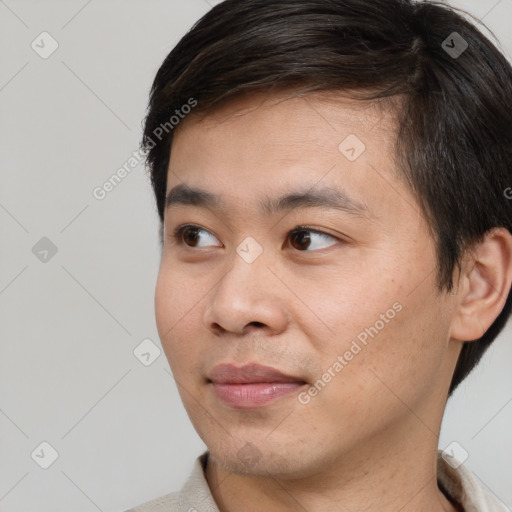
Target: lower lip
[(246, 396)]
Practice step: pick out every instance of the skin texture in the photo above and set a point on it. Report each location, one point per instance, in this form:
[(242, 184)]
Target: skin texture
[(368, 439)]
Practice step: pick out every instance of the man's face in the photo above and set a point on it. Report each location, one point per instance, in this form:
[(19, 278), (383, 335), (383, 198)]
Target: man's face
[(338, 295)]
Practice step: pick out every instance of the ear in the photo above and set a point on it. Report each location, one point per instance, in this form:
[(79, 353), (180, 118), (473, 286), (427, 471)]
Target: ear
[(484, 285)]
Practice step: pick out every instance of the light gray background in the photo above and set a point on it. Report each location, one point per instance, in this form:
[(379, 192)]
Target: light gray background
[(68, 326)]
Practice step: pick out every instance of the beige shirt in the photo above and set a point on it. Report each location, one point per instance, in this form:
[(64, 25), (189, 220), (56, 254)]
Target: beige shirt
[(195, 495)]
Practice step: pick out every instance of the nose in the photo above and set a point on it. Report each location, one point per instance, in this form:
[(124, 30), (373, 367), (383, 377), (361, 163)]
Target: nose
[(246, 298)]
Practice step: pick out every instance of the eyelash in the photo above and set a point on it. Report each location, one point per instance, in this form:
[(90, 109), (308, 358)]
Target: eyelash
[(177, 234)]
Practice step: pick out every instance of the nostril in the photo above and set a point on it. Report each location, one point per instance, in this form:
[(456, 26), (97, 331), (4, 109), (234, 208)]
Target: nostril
[(257, 324)]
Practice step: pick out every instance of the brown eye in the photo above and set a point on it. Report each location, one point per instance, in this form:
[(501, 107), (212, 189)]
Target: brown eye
[(300, 239), (189, 235), (194, 236), (304, 239)]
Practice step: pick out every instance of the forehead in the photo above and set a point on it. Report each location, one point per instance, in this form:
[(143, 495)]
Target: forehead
[(330, 110), (260, 144)]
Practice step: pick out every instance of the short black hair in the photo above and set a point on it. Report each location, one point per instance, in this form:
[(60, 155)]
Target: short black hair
[(454, 136)]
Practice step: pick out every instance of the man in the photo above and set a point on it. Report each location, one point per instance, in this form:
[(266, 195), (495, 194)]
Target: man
[(336, 248)]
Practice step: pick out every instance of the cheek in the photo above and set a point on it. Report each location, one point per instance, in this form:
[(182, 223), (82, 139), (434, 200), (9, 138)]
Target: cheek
[(397, 364), (164, 304), (391, 334), (178, 306), (347, 302)]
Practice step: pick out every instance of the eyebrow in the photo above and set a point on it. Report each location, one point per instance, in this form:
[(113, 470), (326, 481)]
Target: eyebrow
[(324, 198)]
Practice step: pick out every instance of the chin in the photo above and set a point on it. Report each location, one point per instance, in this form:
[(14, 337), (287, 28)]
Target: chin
[(247, 462), (262, 459)]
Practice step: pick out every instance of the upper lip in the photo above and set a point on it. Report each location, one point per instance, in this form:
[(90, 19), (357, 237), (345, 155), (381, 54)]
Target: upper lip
[(248, 374)]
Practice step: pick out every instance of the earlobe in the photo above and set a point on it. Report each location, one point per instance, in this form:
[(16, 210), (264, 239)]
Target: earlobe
[(484, 286)]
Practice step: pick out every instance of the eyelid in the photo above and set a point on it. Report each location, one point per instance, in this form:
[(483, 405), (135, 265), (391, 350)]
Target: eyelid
[(302, 227)]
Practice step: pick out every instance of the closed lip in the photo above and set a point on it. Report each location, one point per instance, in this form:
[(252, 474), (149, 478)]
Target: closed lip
[(249, 374)]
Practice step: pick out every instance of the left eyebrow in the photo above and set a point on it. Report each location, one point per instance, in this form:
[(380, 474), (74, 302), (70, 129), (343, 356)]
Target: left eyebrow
[(324, 198)]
